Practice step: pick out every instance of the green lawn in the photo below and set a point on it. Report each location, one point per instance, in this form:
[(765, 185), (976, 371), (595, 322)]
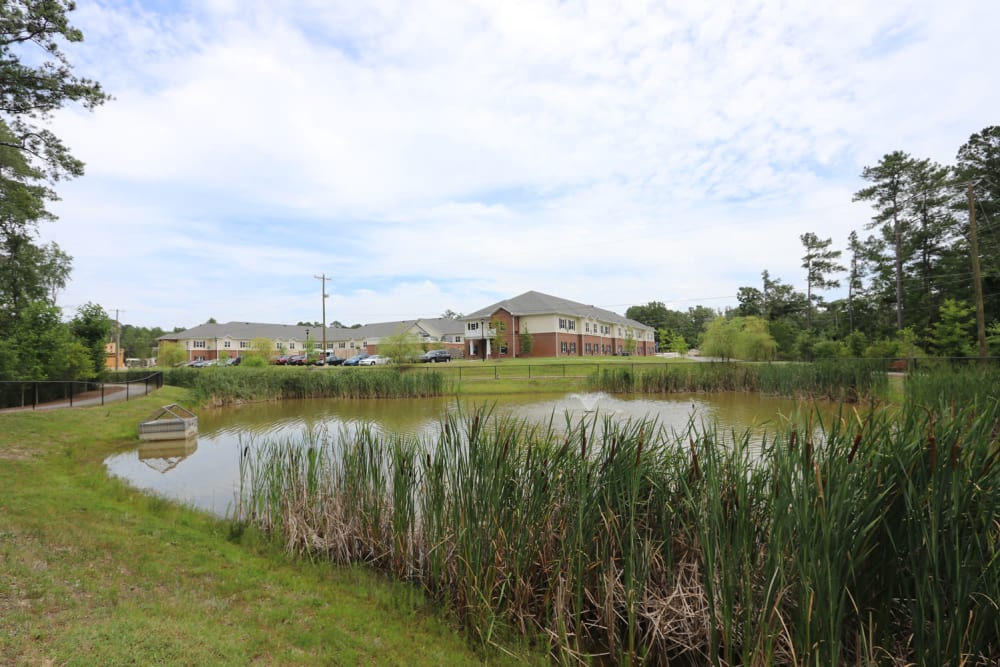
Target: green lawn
[(95, 572)]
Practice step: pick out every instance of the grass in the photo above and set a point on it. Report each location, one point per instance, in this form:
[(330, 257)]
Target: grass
[(95, 572), (871, 538), (836, 380), (222, 385)]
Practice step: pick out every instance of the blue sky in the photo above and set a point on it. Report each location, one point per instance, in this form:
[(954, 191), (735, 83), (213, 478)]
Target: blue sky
[(445, 155)]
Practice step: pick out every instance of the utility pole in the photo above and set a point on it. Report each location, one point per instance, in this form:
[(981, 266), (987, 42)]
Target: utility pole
[(977, 280), (323, 280)]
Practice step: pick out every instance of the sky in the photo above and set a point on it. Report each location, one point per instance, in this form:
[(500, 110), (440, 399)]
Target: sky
[(444, 155)]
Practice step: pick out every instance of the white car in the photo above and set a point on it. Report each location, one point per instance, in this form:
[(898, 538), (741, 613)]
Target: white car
[(375, 360)]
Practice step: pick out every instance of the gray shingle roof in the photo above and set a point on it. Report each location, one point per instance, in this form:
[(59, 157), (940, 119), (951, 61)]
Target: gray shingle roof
[(435, 327), (536, 303)]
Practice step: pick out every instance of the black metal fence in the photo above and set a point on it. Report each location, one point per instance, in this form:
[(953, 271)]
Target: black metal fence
[(41, 393)]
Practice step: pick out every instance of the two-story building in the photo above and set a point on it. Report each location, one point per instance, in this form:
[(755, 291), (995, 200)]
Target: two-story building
[(540, 325)]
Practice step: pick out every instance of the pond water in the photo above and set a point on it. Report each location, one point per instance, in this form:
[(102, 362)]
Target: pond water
[(204, 472)]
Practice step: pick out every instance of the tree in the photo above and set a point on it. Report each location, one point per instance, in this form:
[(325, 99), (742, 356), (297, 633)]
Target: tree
[(951, 335), (401, 347), (820, 263), (751, 301), (262, 347), (743, 337), (170, 354), (719, 339), (630, 343), (527, 341), (92, 327), (451, 314), (888, 195), (677, 343), (31, 90), (139, 342), (855, 274), (499, 339), (978, 163)]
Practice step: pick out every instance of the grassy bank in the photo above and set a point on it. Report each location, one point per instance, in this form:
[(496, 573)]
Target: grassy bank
[(836, 380), (94, 572), (870, 539)]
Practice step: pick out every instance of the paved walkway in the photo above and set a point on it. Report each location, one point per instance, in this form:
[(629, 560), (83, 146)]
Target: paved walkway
[(111, 393)]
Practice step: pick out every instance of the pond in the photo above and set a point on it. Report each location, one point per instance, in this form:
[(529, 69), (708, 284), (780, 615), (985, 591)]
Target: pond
[(204, 472)]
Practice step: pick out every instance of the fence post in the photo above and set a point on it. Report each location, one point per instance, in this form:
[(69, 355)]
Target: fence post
[(71, 384), (34, 403), (102, 393)]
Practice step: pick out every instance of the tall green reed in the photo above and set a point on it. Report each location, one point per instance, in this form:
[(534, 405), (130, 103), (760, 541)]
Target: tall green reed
[(847, 380), (869, 537), (233, 385)]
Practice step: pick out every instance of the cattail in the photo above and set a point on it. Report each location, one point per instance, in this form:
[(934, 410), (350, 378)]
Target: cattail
[(933, 445), (854, 448), (695, 468), (791, 439)]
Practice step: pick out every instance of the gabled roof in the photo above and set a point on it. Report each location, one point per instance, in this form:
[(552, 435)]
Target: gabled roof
[(248, 330), (536, 303)]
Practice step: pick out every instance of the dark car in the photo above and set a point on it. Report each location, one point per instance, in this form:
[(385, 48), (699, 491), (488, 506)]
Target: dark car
[(353, 361), (434, 356), (234, 361), (296, 360), (334, 360), (280, 360)]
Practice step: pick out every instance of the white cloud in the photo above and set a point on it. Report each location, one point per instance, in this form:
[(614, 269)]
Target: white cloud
[(442, 155)]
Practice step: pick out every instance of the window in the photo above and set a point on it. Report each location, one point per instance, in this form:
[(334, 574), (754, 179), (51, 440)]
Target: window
[(572, 348), (342, 345), (586, 348), (244, 344), (291, 346), (458, 339), (564, 348), (586, 327), (472, 326), (198, 344), (571, 325), (503, 348), (226, 344), (279, 345)]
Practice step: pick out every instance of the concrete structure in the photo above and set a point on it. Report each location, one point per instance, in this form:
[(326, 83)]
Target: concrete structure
[(556, 327)]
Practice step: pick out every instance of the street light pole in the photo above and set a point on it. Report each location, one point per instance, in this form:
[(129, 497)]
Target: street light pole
[(322, 277)]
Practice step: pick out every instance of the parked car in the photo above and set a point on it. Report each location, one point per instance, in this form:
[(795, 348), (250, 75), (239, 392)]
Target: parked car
[(280, 360), (296, 360), (353, 361), (234, 361), (435, 356), (334, 360), (375, 360)]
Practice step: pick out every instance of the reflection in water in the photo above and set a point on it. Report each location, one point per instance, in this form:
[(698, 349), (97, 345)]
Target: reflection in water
[(164, 455), (207, 476)]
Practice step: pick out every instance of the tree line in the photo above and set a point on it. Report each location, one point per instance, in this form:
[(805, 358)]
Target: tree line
[(909, 278), (36, 79)]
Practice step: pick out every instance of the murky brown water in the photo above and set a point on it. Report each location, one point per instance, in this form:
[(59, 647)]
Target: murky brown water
[(205, 472)]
